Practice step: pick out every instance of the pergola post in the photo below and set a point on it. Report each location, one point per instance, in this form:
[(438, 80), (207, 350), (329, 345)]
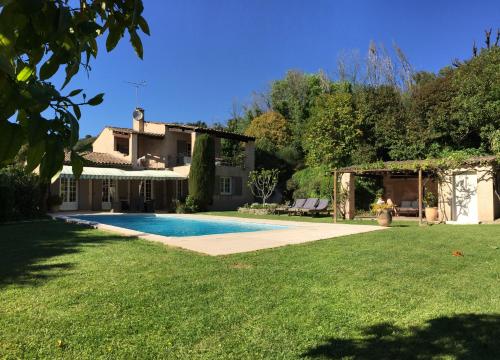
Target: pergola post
[(420, 196), (335, 196)]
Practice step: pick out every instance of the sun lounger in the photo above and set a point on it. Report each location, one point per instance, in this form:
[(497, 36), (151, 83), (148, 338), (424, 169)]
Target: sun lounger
[(310, 204), (296, 206), (321, 206)]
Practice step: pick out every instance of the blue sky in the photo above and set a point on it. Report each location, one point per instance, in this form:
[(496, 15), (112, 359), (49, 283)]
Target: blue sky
[(203, 56)]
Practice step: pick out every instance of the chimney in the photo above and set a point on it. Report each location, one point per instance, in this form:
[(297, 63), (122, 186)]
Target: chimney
[(138, 120)]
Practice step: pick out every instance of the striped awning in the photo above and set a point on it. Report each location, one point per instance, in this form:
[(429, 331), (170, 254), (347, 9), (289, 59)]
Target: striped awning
[(119, 174)]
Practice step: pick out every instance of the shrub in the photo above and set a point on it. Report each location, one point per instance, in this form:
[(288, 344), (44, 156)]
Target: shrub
[(53, 200), (21, 194), (311, 182), (202, 173)]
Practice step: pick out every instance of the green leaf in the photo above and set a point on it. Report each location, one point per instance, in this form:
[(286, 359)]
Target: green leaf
[(71, 70), (96, 100), (64, 19), (53, 159), (75, 128), (76, 164), (35, 155), (75, 92), (144, 25), (11, 140), (113, 37), (136, 43), (49, 68), (25, 74), (76, 110), (6, 65)]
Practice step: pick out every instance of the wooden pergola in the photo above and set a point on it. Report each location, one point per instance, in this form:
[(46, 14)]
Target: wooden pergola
[(392, 167)]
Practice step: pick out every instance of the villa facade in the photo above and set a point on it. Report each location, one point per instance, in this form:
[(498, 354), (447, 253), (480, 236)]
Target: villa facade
[(146, 167)]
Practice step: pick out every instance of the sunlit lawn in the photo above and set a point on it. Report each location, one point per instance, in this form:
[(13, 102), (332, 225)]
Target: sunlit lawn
[(78, 293)]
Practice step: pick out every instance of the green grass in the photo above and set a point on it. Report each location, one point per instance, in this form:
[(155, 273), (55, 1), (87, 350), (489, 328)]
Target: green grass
[(388, 294)]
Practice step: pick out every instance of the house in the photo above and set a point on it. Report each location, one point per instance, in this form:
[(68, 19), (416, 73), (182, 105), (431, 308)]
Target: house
[(148, 166), (468, 192)]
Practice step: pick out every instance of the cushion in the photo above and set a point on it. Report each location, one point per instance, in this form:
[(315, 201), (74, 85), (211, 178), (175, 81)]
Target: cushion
[(405, 204)]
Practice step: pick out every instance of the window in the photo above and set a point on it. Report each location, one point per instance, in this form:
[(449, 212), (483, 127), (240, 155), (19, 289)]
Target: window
[(108, 190), (68, 189), (188, 149), (225, 186), (146, 190), (121, 145)]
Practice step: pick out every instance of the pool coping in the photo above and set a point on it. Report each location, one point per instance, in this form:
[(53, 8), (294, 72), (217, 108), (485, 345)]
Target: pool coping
[(297, 232)]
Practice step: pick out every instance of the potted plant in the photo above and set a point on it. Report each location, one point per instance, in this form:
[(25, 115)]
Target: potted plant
[(431, 206), (384, 213), (53, 203)]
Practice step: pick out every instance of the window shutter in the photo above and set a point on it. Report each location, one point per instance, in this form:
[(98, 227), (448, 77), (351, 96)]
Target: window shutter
[(181, 147), (217, 185), (237, 185)]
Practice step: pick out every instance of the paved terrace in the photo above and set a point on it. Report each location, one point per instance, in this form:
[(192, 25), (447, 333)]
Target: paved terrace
[(233, 243)]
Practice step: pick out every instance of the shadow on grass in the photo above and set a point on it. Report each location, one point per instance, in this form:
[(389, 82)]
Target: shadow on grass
[(466, 336), (25, 246)]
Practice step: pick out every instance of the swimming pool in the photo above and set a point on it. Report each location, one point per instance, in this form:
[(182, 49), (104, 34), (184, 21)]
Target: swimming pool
[(176, 225)]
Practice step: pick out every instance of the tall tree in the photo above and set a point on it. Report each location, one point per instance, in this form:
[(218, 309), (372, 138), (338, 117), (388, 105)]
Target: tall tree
[(37, 38), (332, 131), (202, 171), (271, 131)]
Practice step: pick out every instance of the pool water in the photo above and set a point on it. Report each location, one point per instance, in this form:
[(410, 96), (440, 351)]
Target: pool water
[(176, 225)]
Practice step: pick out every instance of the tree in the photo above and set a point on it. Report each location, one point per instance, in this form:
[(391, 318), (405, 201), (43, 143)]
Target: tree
[(202, 172), (37, 38), (294, 96), (271, 131), (263, 182), (332, 131), (475, 108)]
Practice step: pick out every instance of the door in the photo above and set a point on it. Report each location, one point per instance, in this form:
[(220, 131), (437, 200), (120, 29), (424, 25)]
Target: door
[(465, 198), (69, 194), (108, 193)]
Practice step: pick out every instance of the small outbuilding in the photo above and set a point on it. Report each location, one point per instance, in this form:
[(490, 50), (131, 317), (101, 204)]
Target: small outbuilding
[(467, 189)]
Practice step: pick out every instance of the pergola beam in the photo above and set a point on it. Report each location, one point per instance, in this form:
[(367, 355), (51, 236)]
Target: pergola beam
[(420, 196), (335, 196)]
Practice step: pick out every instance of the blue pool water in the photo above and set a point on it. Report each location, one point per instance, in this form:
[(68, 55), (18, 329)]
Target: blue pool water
[(176, 226)]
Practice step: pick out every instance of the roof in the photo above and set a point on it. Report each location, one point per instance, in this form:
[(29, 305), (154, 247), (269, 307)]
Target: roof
[(211, 131), (410, 165), (99, 158), (132, 131), (120, 174)]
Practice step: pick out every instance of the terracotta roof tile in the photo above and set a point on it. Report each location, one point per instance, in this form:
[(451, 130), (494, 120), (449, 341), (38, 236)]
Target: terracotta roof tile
[(99, 158)]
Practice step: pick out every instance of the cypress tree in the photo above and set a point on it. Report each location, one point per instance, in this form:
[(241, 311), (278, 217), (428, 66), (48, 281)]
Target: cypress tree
[(202, 172)]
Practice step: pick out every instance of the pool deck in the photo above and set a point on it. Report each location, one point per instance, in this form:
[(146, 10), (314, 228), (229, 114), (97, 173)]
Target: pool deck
[(233, 243)]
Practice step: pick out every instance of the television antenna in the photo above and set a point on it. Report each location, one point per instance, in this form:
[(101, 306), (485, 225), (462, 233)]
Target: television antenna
[(137, 86)]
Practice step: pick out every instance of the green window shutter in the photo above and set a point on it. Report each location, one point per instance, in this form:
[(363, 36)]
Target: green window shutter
[(237, 183), (217, 185)]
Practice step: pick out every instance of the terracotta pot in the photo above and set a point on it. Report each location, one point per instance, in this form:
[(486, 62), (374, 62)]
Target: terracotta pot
[(431, 214), (385, 218)]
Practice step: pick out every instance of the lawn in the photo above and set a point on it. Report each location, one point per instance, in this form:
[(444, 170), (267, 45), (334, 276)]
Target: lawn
[(76, 293)]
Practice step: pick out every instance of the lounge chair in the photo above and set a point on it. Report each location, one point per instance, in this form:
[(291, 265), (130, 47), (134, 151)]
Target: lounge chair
[(296, 206), (408, 208), (309, 205), (322, 206)]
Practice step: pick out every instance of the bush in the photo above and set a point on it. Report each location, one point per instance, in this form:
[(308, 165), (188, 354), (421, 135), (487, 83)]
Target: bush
[(202, 173), (53, 200), (311, 182), (21, 194)]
